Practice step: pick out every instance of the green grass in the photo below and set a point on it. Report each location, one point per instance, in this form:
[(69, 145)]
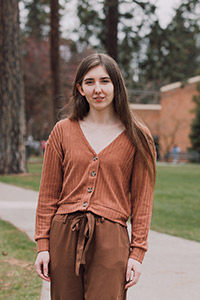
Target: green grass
[(177, 201), (18, 279), (30, 180)]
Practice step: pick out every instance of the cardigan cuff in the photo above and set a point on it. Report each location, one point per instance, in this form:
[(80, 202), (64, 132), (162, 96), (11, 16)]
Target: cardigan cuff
[(137, 254), (42, 245)]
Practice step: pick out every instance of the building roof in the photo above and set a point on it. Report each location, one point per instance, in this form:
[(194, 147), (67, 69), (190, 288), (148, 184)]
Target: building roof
[(145, 106), (178, 84)]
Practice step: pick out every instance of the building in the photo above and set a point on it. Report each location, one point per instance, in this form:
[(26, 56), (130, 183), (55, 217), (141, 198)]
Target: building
[(170, 121)]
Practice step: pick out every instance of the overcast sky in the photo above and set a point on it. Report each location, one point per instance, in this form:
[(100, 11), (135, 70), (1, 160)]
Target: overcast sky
[(165, 10)]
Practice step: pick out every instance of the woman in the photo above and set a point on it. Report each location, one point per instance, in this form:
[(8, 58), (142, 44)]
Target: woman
[(99, 170)]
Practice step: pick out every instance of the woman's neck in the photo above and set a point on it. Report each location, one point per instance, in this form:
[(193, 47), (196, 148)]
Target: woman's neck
[(102, 117)]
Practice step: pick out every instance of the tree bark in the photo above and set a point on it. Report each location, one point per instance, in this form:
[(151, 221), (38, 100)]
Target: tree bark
[(112, 19), (55, 54), (12, 117)]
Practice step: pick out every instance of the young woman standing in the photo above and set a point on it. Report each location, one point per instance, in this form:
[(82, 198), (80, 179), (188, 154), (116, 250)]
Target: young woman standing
[(99, 170)]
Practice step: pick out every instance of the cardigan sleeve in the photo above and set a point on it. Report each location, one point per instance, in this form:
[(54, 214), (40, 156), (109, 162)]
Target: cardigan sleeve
[(50, 188), (142, 191)]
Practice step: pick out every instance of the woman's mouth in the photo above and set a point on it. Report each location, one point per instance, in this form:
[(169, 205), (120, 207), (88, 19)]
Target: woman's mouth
[(98, 99)]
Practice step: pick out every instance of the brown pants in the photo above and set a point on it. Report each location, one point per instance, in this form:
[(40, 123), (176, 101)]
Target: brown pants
[(89, 256)]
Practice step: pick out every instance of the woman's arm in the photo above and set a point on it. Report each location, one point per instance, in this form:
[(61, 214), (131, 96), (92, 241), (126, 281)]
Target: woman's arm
[(142, 192), (50, 188)]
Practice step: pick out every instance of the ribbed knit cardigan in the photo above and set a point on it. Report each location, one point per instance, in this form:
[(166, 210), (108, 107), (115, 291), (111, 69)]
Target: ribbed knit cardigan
[(114, 184)]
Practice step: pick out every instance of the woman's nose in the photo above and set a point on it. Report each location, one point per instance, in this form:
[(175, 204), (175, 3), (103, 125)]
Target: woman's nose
[(97, 87)]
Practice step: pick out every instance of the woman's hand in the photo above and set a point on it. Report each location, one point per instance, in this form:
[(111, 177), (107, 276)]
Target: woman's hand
[(42, 265), (136, 267)]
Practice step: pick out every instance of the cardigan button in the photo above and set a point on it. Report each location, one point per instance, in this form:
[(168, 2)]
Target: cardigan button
[(95, 158), (93, 174), (85, 204), (89, 190)]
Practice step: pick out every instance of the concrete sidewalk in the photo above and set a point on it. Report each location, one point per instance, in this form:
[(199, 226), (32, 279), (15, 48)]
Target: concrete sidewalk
[(171, 269)]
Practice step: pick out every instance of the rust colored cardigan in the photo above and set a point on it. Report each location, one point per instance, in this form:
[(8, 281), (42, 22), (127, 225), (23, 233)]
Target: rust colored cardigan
[(75, 178)]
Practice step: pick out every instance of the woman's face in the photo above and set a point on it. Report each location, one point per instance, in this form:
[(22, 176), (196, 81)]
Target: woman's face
[(97, 88)]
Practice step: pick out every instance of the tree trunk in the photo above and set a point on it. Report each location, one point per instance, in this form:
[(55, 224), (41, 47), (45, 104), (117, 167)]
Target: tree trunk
[(112, 18), (55, 54), (12, 118)]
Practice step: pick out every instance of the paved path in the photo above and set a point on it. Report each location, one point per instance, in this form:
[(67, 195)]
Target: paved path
[(171, 269)]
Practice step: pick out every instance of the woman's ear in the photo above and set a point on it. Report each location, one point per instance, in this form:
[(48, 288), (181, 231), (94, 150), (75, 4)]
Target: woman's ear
[(79, 87)]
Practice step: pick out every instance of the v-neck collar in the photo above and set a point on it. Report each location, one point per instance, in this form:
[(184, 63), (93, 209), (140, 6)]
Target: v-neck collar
[(90, 147)]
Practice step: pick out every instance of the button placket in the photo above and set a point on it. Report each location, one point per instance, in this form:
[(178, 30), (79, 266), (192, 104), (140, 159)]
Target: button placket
[(92, 176), (94, 172)]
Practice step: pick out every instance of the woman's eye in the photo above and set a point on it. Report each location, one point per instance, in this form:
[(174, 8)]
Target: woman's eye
[(105, 81), (88, 82)]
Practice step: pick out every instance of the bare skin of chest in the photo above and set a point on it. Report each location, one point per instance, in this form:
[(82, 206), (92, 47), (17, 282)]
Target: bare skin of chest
[(100, 136)]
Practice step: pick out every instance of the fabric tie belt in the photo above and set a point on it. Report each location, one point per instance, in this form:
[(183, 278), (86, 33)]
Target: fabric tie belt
[(85, 224)]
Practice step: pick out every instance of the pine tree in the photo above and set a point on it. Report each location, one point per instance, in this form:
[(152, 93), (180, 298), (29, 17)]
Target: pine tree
[(173, 53), (183, 49), (55, 54), (90, 31), (111, 22), (12, 120), (153, 68), (37, 24), (195, 126)]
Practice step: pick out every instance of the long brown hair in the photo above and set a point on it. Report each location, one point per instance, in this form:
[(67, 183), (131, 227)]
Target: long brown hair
[(78, 107)]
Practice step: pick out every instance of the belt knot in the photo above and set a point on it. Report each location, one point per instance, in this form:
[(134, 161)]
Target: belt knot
[(85, 224)]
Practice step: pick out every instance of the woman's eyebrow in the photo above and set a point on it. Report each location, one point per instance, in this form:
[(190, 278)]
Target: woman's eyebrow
[(106, 77), (88, 79)]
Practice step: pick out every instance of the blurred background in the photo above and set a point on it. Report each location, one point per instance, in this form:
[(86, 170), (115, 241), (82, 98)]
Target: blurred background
[(156, 44)]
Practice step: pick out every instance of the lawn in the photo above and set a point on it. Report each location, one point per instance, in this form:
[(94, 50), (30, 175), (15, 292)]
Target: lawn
[(18, 279), (31, 179), (177, 201)]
